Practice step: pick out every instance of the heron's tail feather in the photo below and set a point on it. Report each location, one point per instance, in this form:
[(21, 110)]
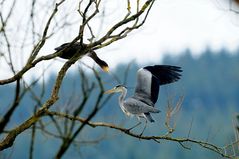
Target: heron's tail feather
[(149, 117), (154, 110), (165, 73)]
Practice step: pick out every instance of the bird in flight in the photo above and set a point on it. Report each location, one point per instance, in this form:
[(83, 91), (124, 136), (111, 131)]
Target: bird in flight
[(149, 79), (75, 48)]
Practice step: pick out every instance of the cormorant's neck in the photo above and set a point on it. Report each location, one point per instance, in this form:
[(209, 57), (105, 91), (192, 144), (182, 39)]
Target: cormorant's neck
[(100, 62)]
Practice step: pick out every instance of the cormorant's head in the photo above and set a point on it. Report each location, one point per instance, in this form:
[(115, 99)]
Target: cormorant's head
[(104, 66)]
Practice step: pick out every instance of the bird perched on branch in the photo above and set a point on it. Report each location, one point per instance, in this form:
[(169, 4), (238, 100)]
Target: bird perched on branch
[(70, 51), (149, 79)]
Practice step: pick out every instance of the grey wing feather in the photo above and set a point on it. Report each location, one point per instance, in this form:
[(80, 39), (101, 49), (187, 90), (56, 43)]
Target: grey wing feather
[(150, 78), (143, 86), (134, 106)]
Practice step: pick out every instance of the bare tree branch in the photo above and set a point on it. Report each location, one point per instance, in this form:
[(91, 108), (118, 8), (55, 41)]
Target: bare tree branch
[(7, 116), (181, 141)]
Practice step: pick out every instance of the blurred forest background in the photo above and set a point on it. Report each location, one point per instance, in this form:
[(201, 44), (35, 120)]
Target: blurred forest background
[(209, 84)]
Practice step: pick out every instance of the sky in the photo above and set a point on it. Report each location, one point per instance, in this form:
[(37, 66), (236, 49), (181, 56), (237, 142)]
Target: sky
[(172, 26)]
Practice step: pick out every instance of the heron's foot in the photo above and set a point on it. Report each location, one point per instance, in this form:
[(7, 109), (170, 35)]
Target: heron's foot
[(140, 135), (128, 130), (143, 130)]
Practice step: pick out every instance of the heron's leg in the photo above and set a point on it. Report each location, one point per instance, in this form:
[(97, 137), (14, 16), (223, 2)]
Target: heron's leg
[(144, 127), (134, 126)]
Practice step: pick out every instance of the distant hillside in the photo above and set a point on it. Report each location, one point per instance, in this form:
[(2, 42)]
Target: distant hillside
[(210, 85), (210, 80)]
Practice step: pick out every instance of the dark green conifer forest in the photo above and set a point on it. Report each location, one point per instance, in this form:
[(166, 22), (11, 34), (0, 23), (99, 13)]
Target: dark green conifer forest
[(209, 85)]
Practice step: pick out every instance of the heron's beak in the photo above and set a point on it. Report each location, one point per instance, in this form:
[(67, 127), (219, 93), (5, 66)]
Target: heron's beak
[(109, 91)]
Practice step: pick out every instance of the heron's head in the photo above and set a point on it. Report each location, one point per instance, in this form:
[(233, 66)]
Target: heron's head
[(118, 88)]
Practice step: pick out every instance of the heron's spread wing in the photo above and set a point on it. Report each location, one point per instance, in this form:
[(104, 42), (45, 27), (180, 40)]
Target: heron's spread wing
[(165, 73), (150, 78), (144, 85)]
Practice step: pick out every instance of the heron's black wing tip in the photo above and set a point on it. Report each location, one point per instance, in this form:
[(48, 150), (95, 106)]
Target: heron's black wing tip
[(165, 73)]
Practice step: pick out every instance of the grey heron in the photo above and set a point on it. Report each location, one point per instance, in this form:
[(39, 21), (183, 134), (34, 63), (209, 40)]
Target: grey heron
[(75, 48), (149, 79)]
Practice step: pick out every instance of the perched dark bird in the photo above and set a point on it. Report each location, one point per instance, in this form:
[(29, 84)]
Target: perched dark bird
[(75, 48), (149, 79)]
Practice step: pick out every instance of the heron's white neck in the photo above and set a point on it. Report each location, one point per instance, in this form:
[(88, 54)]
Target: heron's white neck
[(122, 96)]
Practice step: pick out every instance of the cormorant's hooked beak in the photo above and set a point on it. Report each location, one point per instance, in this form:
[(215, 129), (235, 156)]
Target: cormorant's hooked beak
[(105, 68), (110, 91)]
